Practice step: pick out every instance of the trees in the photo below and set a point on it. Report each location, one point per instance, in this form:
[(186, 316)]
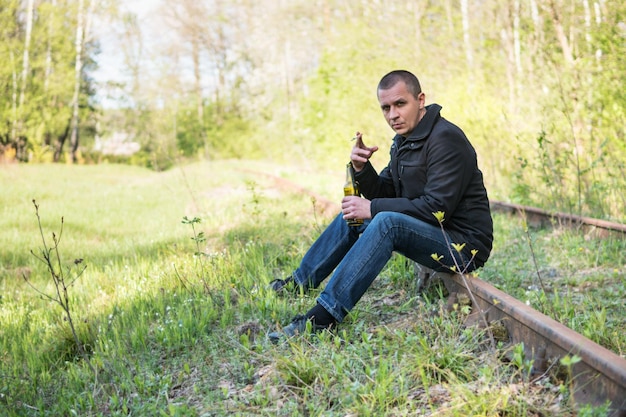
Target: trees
[(575, 157), (553, 138), (9, 77), (542, 78), (49, 90)]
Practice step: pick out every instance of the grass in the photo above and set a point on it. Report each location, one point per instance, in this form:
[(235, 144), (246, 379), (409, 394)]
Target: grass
[(174, 315)]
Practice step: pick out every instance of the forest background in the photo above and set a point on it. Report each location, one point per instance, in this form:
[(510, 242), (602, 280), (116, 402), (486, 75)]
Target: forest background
[(537, 85), (169, 318)]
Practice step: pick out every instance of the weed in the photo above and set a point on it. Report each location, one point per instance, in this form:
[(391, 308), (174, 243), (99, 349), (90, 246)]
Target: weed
[(199, 256), (63, 278), (525, 366), (534, 258), (568, 362), (461, 270)]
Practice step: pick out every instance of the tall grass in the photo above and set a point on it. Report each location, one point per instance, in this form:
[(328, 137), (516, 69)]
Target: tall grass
[(176, 325)]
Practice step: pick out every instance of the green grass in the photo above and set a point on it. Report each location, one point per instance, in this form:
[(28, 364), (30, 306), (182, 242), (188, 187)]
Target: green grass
[(175, 319)]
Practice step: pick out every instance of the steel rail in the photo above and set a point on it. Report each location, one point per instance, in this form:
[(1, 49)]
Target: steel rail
[(599, 376), (542, 218)]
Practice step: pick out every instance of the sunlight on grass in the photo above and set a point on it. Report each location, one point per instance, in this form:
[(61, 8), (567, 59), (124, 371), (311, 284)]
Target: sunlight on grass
[(175, 324)]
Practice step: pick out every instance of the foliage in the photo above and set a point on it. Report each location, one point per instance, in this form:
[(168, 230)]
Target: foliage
[(557, 126), (38, 80), (537, 86)]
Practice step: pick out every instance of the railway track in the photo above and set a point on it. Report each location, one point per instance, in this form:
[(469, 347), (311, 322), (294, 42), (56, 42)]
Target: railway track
[(541, 218), (600, 375)]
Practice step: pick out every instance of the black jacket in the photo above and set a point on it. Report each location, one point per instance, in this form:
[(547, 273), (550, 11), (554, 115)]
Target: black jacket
[(434, 169)]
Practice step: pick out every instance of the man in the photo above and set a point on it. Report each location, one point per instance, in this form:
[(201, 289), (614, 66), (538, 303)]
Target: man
[(432, 169)]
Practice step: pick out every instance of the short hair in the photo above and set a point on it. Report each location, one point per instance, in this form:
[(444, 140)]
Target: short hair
[(410, 80)]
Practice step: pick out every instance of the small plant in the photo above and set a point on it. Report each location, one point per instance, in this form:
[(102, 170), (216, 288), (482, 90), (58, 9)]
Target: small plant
[(568, 363), (534, 257), (256, 199), (461, 270), (62, 278), (198, 238), (520, 362)]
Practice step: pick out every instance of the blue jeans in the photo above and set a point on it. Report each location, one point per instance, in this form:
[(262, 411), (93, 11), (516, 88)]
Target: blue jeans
[(358, 254)]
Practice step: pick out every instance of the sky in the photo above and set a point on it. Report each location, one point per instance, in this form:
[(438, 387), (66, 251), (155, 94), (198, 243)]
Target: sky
[(111, 59)]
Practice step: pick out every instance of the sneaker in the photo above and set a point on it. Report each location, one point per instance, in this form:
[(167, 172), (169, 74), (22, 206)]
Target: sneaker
[(297, 326), (278, 284), (283, 285)]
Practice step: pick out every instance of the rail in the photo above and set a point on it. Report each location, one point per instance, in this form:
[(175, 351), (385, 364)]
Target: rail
[(599, 376), (541, 218)]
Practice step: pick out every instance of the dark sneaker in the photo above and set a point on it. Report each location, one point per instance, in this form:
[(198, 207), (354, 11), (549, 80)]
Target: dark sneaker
[(278, 285), (297, 326), (284, 285)]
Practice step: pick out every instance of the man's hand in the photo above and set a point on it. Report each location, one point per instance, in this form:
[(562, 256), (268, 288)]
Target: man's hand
[(361, 153), (354, 207)]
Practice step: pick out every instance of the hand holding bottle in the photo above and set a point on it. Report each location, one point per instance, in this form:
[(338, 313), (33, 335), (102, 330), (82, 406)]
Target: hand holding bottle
[(351, 193), (358, 208)]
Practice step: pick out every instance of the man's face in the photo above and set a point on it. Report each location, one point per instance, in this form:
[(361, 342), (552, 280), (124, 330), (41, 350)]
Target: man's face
[(401, 110)]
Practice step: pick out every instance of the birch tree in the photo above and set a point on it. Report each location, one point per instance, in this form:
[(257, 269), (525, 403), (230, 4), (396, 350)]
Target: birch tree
[(18, 134), (58, 74), (78, 68), (25, 60), (555, 12), (467, 43)]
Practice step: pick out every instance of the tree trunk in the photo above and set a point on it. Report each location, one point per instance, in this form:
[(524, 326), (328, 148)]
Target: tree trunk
[(466, 38), (516, 38), (510, 58), (568, 55), (48, 68), (449, 18), (77, 77), (534, 52), (46, 82), (195, 56), (13, 100), (58, 149), (20, 139), (219, 52), (26, 62)]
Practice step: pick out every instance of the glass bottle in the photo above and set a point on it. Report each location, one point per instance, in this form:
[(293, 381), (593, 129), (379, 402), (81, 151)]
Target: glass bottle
[(351, 187)]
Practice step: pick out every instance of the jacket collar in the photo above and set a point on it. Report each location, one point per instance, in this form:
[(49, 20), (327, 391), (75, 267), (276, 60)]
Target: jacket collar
[(425, 126)]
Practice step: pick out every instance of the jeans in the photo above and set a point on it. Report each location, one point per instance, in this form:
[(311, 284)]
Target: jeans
[(358, 254)]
